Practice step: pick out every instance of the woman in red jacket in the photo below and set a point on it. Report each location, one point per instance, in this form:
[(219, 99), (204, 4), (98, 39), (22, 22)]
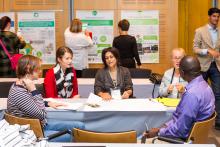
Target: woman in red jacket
[(61, 81)]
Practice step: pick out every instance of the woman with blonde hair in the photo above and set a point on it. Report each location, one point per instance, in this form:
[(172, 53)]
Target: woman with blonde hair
[(172, 84), (79, 42)]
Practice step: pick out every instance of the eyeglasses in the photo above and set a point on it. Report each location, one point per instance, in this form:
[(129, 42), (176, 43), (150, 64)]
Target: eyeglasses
[(177, 58)]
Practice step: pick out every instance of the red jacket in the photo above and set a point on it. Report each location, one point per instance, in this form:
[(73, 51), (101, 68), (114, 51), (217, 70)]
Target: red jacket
[(50, 84)]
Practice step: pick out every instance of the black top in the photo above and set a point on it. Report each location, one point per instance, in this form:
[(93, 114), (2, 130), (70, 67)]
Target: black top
[(12, 44), (103, 80), (127, 47)]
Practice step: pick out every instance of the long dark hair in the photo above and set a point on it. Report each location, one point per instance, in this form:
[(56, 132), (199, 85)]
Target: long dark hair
[(61, 51), (3, 22), (115, 53)]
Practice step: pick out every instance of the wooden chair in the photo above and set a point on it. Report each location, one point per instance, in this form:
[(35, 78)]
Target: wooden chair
[(198, 134), (98, 137), (200, 130), (35, 125)]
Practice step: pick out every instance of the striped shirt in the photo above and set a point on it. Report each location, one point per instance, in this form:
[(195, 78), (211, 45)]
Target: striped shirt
[(23, 103)]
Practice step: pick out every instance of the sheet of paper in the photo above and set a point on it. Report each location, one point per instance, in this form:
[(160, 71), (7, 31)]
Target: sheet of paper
[(94, 99), (126, 105), (68, 106)]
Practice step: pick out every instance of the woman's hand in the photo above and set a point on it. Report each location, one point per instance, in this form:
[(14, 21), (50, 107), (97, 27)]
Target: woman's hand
[(170, 88), (180, 88), (105, 96), (55, 104), (125, 95), (87, 33), (76, 96), (29, 84)]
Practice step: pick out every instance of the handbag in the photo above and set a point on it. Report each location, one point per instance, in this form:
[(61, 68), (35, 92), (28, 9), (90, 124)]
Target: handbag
[(14, 59)]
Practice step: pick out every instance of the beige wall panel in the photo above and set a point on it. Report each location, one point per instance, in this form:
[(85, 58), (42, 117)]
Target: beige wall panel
[(192, 15), (143, 4), (17, 5), (60, 7), (95, 4), (168, 27), (1, 5)]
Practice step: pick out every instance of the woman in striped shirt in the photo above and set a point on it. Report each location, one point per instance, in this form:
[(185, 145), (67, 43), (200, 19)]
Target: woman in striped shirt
[(25, 100)]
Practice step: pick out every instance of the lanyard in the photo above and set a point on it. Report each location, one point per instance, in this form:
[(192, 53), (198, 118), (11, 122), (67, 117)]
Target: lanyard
[(171, 81)]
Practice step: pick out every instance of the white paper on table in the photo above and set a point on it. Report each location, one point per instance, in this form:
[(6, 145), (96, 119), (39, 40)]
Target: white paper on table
[(71, 106), (127, 105), (94, 99), (68, 106)]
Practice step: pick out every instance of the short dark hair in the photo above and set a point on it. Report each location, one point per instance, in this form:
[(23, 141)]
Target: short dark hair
[(4, 21), (27, 64), (190, 65), (115, 53), (61, 51), (213, 10), (124, 25)]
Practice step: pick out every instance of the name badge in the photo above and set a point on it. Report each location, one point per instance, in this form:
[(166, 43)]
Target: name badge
[(116, 93)]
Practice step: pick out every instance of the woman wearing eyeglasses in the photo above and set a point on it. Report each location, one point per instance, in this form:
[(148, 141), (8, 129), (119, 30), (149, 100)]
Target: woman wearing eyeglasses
[(172, 84)]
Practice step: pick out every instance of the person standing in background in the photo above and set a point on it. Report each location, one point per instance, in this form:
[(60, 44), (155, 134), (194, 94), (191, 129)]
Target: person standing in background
[(126, 45), (79, 42), (206, 45), (12, 43)]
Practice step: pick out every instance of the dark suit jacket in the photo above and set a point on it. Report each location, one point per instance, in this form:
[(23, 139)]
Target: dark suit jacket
[(103, 81)]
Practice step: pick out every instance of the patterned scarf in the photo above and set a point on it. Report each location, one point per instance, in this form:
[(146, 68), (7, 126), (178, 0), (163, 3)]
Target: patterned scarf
[(63, 82)]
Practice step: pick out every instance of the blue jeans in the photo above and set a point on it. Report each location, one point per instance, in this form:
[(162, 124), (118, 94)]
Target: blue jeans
[(59, 125), (214, 75)]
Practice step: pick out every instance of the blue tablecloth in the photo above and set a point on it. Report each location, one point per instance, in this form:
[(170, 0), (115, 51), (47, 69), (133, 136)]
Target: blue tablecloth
[(112, 121)]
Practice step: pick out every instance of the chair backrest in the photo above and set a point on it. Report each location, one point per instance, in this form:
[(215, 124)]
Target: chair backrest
[(89, 72), (35, 124), (5, 87), (200, 130), (98, 137), (44, 71), (140, 73), (40, 87)]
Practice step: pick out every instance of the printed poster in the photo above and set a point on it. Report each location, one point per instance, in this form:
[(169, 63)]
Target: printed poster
[(144, 25), (38, 30), (100, 23)]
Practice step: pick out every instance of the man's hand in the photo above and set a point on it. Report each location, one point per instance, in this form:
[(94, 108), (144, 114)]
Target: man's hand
[(213, 53), (152, 133), (139, 66)]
